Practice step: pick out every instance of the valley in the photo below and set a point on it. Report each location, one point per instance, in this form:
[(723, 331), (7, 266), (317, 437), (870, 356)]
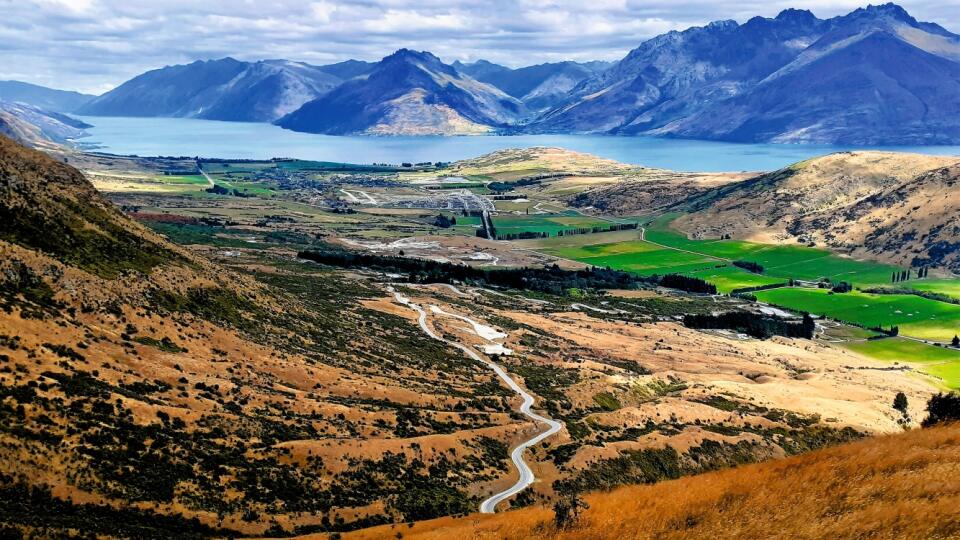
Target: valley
[(354, 373), (335, 270)]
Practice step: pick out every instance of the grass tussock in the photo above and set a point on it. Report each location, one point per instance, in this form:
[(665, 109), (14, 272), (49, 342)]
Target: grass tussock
[(899, 486)]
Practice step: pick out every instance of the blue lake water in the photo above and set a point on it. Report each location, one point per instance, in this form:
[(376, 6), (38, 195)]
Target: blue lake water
[(241, 140)]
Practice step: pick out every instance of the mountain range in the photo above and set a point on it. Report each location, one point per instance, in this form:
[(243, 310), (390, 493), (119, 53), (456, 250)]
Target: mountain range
[(225, 89), (540, 87), (408, 93), (62, 101), (873, 76)]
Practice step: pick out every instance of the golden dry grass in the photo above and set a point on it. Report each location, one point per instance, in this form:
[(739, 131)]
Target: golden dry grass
[(896, 486)]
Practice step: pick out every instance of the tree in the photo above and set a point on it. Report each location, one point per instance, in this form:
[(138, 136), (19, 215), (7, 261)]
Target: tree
[(809, 326), (566, 511), (942, 408), (900, 402), (444, 222), (955, 342), (842, 287)]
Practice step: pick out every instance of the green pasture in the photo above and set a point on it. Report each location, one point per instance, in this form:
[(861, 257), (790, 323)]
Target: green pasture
[(779, 261), (185, 180), (729, 278), (237, 167), (645, 258), (917, 317), (941, 362), (549, 223), (949, 287)]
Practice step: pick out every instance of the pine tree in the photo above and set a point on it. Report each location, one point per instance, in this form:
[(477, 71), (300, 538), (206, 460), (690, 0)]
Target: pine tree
[(900, 402)]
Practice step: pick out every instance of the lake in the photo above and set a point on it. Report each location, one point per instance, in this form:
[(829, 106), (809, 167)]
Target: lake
[(242, 140)]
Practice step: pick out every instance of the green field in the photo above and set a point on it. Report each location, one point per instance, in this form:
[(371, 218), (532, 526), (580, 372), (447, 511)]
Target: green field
[(729, 278), (259, 189), (917, 317), (665, 250), (941, 362), (236, 167), (193, 179), (949, 287), (548, 223), (780, 261), (645, 258)]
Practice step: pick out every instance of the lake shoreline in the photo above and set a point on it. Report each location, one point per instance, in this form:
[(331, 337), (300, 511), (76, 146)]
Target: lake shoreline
[(245, 140)]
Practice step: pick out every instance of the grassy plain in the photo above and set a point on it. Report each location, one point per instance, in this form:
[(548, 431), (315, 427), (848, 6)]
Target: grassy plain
[(941, 362), (917, 317), (625, 251), (548, 223), (949, 287), (782, 261)]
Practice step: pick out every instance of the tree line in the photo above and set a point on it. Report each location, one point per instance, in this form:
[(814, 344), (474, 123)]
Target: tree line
[(906, 275), (598, 229), (549, 279), (754, 324), (749, 266)]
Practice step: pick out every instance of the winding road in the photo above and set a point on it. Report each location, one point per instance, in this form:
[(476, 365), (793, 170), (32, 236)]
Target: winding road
[(526, 473)]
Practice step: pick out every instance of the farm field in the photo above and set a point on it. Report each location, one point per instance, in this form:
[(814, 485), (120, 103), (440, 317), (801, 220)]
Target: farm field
[(941, 362), (781, 261), (949, 287), (192, 179), (645, 258), (917, 317), (729, 278), (545, 223), (259, 189)]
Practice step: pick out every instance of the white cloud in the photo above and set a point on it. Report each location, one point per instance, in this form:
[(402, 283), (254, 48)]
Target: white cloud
[(92, 44)]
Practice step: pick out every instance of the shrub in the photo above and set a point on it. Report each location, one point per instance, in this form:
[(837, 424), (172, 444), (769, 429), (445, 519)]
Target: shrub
[(566, 511), (942, 408)]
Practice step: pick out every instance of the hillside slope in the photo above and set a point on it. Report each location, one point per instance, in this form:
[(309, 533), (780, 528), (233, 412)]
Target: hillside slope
[(901, 208), (897, 486), (408, 93), (140, 382), (37, 127)]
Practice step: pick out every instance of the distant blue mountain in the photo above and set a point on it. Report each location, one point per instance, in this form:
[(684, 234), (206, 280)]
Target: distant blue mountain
[(225, 89), (876, 76), (43, 97), (408, 93), (348, 69), (873, 76), (540, 86)]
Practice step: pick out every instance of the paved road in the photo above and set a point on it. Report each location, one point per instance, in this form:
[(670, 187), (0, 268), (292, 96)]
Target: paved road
[(526, 473)]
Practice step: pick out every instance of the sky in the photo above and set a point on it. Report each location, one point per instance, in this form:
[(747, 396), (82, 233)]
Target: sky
[(94, 45)]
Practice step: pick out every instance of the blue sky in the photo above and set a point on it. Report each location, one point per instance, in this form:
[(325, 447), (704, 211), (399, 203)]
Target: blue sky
[(93, 45)]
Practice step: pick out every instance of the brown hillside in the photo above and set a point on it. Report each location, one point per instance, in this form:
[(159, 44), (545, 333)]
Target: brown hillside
[(18, 130), (886, 206), (898, 486), (220, 390), (50, 207), (147, 392)]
